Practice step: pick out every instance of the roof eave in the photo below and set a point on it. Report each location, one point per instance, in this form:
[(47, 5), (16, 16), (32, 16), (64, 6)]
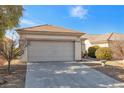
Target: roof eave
[(49, 33)]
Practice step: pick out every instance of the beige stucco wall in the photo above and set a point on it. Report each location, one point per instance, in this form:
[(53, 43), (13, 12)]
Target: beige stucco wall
[(77, 50), (86, 44), (24, 57), (83, 47), (56, 38), (102, 45), (51, 37)]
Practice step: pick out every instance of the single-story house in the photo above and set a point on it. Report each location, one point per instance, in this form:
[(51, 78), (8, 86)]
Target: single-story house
[(51, 43), (113, 40)]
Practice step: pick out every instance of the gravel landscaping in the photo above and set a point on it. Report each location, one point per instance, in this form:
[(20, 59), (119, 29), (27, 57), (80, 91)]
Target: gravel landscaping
[(16, 79), (114, 69)]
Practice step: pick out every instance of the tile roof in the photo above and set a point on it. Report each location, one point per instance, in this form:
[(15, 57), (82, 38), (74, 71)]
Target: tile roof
[(116, 36), (103, 37), (48, 28)]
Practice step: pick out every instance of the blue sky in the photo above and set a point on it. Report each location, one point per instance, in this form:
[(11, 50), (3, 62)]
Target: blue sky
[(88, 19)]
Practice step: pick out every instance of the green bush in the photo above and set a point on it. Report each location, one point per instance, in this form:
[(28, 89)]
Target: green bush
[(92, 50), (104, 53)]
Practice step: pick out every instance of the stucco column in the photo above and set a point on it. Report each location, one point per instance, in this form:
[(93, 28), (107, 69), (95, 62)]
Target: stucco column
[(77, 50), (83, 47), (24, 56)]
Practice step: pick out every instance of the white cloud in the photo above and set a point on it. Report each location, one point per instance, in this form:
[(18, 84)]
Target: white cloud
[(79, 12), (27, 22)]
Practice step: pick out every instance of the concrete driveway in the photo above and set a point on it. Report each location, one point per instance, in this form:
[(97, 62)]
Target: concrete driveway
[(65, 74)]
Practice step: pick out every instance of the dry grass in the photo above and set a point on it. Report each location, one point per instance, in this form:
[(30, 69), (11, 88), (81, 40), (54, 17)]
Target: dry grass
[(114, 69), (118, 63)]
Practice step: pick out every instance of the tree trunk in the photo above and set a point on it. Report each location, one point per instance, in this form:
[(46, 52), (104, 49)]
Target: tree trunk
[(9, 67)]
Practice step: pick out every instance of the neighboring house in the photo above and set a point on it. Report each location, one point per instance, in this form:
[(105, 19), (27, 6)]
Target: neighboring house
[(112, 40), (95, 39), (51, 43)]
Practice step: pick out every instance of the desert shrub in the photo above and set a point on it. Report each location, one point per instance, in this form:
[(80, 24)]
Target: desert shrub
[(92, 50), (103, 53)]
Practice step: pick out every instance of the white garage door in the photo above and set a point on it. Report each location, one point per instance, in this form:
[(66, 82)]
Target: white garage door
[(50, 51)]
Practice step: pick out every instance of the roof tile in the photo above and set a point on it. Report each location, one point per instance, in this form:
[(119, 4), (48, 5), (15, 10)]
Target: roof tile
[(48, 28), (103, 37)]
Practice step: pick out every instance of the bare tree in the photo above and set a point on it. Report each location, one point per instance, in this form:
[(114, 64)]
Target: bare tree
[(117, 47), (121, 48), (12, 50)]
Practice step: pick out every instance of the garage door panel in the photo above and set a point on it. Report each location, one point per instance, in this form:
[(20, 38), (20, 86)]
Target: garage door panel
[(51, 51)]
